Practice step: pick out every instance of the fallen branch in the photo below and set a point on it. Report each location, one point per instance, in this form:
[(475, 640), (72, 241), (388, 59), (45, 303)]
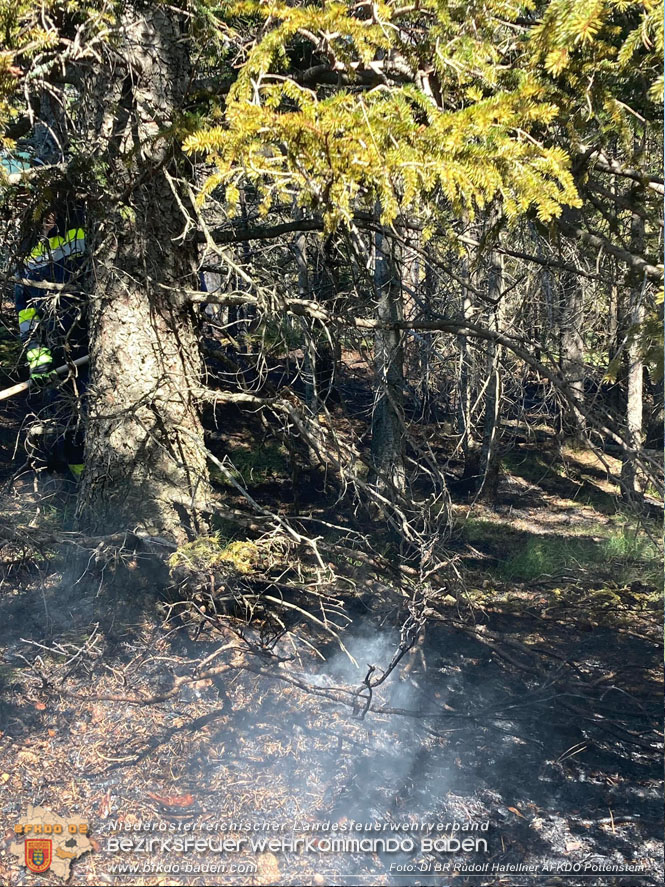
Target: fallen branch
[(25, 386)]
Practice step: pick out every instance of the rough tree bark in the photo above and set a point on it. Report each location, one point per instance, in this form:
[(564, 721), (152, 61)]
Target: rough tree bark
[(145, 459)]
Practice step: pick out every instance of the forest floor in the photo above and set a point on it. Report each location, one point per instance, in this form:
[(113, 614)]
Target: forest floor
[(531, 704)]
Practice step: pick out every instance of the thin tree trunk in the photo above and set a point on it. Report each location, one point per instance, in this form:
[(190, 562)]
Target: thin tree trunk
[(466, 387), (490, 455), (410, 280), (300, 247), (388, 413), (572, 352), (145, 459), (324, 357), (615, 331), (547, 323), (424, 370), (246, 312), (635, 367)]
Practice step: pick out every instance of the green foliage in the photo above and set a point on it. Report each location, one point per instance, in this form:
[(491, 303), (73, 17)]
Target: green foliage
[(615, 550), (599, 54), (278, 335), (36, 45), (257, 465), (439, 105), (529, 465), (338, 150)]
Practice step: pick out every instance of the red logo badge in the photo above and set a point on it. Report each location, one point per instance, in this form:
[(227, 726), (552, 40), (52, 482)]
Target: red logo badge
[(38, 854)]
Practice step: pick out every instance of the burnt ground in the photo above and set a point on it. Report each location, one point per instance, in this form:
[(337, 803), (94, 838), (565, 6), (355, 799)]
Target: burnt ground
[(532, 701)]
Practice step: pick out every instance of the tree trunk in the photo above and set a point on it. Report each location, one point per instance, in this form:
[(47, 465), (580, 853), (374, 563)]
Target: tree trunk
[(321, 356), (615, 330), (490, 456), (468, 441), (424, 373), (388, 412), (246, 313), (635, 367), (572, 353), (145, 456), (464, 386)]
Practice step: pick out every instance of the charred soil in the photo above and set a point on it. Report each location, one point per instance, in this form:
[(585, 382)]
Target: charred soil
[(530, 699)]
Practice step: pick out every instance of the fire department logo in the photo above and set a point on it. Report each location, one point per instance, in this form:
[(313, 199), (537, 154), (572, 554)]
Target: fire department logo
[(50, 843), (38, 854)]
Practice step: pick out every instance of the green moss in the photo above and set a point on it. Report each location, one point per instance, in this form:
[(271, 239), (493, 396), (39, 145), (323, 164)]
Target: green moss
[(208, 552)]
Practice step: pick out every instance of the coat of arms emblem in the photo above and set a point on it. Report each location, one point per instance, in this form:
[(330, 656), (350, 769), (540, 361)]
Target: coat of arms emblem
[(38, 854)]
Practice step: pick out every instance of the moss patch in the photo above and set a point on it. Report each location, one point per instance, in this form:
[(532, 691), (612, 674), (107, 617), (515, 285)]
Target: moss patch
[(208, 552)]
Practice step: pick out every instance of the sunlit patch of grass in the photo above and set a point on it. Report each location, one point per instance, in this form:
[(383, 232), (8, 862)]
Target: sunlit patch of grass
[(614, 549), (629, 546), (548, 557), (634, 556), (625, 555)]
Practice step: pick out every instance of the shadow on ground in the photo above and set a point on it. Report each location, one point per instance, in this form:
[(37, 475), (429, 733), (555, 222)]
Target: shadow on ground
[(547, 732)]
